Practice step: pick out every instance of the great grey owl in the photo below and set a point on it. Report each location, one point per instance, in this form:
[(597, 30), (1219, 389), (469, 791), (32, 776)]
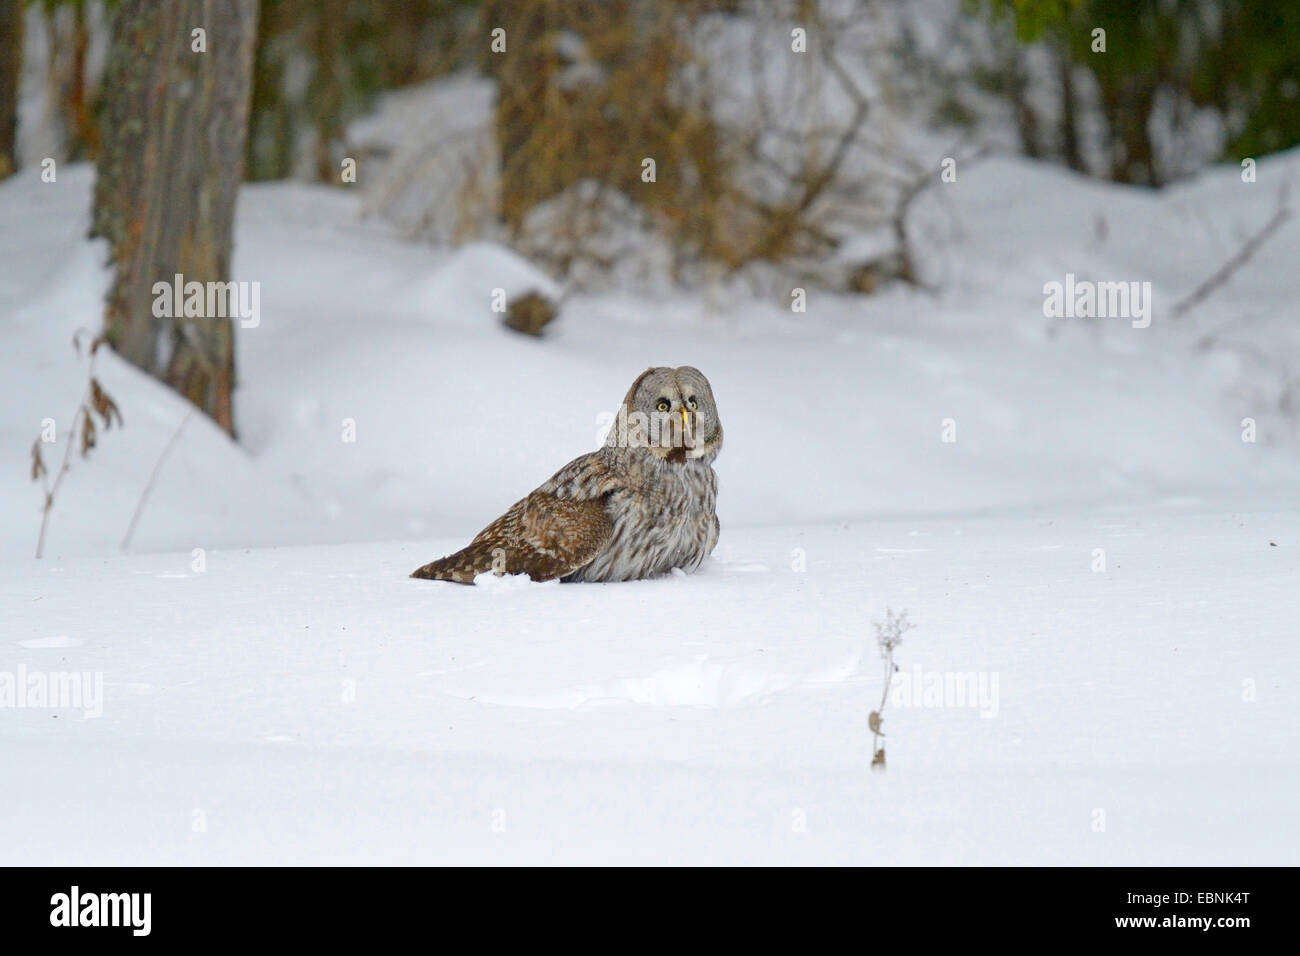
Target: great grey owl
[(639, 506)]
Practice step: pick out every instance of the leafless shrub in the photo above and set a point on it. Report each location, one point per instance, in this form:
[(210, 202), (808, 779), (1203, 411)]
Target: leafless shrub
[(591, 102), (767, 158)]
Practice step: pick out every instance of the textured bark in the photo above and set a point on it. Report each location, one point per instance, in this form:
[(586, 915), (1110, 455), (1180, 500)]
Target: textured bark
[(172, 158), (11, 62)]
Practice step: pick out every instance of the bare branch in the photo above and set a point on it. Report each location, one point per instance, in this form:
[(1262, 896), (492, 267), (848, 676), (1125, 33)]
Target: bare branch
[(153, 477), (902, 236), (1243, 255)]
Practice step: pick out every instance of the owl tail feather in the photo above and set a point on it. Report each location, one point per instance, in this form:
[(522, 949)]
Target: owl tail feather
[(461, 567)]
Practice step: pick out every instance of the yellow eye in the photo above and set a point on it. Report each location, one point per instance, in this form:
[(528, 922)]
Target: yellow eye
[(692, 403), (662, 405)]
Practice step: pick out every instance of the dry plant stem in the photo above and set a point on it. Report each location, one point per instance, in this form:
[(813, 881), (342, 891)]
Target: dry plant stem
[(884, 697), (889, 677), (888, 636), (52, 488), (1242, 256), (94, 401), (153, 478)]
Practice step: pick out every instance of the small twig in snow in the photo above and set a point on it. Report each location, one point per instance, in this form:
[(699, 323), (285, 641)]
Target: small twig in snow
[(153, 477), (1242, 256), (888, 636), (94, 402)]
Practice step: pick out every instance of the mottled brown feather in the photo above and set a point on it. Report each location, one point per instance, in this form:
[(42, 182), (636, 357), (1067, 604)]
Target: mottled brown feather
[(542, 536)]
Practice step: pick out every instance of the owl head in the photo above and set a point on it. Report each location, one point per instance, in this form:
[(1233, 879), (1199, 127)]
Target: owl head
[(670, 412)]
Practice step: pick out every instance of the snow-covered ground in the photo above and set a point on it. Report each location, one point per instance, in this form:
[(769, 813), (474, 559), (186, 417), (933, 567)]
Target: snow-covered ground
[(315, 704), (1098, 549)]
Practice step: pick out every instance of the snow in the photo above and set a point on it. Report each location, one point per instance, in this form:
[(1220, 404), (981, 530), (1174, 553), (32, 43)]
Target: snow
[(270, 672), (685, 719)]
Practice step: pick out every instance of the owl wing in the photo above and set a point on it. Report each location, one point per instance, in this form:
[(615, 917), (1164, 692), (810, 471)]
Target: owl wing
[(542, 536)]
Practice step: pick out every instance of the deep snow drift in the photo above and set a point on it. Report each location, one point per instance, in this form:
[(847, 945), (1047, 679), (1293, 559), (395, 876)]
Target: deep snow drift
[(1098, 544)]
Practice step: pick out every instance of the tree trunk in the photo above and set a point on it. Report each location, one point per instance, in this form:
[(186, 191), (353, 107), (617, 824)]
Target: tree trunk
[(1026, 119), (1070, 150), (11, 63), (83, 135), (1138, 147), (271, 122), (171, 162), (325, 93)]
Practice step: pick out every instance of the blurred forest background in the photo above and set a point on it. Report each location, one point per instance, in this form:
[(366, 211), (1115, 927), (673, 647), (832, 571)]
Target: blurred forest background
[(611, 141)]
